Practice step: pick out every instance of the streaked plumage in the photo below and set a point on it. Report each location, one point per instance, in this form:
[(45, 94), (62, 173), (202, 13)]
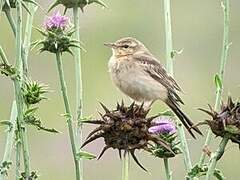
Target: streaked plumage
[(139, 75)]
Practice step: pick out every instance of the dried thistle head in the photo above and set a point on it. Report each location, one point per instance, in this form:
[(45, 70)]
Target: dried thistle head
[(227, 121), (126, 129)]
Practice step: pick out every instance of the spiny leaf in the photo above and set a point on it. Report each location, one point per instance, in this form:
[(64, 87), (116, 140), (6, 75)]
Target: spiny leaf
[(31, 111), (218, 81), (6, 123), (85, 155)]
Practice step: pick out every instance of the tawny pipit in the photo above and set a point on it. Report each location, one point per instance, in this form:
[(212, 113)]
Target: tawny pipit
[(138, 74)]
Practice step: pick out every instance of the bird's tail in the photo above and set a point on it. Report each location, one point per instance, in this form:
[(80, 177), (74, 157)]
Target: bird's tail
[(183, 118)]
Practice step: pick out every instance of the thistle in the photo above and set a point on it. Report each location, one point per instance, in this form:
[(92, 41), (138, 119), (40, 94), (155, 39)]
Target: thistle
[(73, 3), (225, 122), (58, 35), (33, 92), (125, 129), (166, 130)]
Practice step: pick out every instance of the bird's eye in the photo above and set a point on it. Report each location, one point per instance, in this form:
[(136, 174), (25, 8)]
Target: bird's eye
[(125, 46)]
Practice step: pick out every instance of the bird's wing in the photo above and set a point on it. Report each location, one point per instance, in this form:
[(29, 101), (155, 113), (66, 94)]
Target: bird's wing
[(158, 73)]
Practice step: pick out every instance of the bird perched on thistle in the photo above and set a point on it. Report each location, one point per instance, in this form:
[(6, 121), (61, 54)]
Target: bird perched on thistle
[(139, 75)]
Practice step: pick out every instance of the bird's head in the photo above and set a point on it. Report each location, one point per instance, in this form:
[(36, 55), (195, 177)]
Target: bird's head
[(126, 46)]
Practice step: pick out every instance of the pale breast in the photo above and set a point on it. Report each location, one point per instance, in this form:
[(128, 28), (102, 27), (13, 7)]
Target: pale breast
[(134, 81)]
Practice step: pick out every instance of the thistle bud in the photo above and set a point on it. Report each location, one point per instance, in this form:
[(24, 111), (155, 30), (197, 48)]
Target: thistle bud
[(57, 34), (33, 92), (164, 127)]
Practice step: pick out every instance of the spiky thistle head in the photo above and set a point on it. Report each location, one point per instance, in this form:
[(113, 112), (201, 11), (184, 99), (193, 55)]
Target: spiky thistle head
[(225, 122), (33, 92), (57, 34), (73, 3), (164, 127), (126, 129)]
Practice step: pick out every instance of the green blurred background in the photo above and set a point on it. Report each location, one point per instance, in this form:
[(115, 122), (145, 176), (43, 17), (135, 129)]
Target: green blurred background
[(197, 28)]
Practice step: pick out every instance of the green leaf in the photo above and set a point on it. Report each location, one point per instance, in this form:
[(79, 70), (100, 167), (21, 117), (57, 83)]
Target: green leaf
[(197, 171), (218, 81), (85, 155)]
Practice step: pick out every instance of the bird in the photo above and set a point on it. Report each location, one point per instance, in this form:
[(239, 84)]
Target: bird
[(139, 75)]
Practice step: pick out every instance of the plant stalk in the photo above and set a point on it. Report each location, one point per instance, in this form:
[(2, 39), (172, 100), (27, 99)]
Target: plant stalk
[(9, 140), (225, 49), (125, 166), (68, 113), (167, 169), (215, 157), (27, 37), (168, 37), (170, 59), (79, 86), (18, 93)]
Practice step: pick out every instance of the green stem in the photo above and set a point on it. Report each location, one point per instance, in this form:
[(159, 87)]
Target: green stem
[(18, 93), (168, 36), (125, 166), (215, 157), (9, 140), (167, 169), (170, 59), (184, 147), (79, 89), (27, 37), (68, 113), (18, 156), (225, 48)]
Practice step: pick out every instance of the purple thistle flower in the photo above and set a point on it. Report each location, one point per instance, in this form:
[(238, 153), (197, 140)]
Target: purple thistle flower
[(56, 21), (161, 125)]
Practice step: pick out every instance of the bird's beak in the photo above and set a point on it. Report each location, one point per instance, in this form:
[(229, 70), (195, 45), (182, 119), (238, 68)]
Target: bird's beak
[(111, 45)]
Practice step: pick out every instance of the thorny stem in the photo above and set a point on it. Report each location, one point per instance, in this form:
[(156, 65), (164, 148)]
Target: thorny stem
[(170, 59), (168, 37), (18, 156), (225, 48), (10, 139), (27, 37), (167, 169), (125, 166), (18, 93), (215, 157), (79, 87), (184, 147), (68, 113)]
